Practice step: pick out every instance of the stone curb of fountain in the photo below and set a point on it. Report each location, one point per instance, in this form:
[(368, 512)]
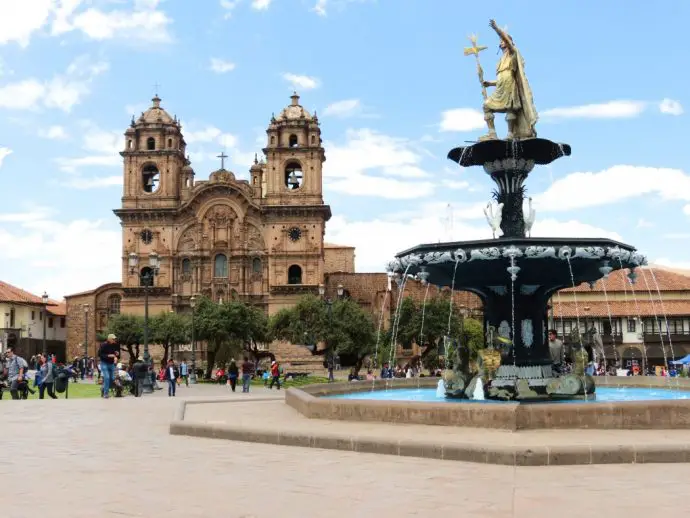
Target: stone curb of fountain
[(485, 454)]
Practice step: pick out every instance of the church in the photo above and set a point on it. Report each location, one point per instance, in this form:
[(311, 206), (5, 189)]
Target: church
[(260, 241)]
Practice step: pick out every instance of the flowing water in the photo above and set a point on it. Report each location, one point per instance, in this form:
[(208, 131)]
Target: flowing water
[(658, 324), (639, 315), (421, 330), (378, 338), (402, 283), (450, 311), (613, 340), (663, 310), (577, 316)]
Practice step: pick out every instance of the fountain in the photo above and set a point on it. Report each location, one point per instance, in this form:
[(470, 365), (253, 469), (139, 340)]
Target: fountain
[(514, 275)]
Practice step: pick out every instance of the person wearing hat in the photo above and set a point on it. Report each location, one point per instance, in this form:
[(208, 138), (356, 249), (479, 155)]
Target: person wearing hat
[(108, 353), (275, 375)]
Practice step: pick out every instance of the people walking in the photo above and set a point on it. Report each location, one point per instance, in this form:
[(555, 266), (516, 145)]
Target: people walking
[(170, 375), (233, 373), (184, 372), (275, 375), (47, 371), (247, 371), (17, 369), (108, 353)]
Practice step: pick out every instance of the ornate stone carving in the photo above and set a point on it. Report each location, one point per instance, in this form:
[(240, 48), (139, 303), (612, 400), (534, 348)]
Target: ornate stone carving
[(540, 252), (565, 252), (438, 257), (589, 252), (618, 254), (485, 254)]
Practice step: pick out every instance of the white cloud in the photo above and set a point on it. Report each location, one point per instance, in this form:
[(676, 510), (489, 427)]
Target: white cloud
[(228, 6), (607, 110), (620, 182), (672, 264), (53, 133), (345, 108), (104, 150), (144, 22), (4, 153), (379, 239), (462, 119), (40, 253), (320, 7), (19, 19), (220, 66), (373, 164), (63, 91), (686, 210), (456, 184), (671, 107), (301, 82), (261, 5)]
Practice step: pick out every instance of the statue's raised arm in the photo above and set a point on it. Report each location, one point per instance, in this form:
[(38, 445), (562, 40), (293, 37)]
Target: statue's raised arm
[(513, 95)]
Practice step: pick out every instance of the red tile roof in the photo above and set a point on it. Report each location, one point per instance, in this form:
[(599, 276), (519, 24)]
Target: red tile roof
[(59, 309), (618, 282), (643, 308), (12, 294)]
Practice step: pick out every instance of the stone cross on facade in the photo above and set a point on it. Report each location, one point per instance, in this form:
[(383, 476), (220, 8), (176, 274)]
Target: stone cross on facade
[(222, 157)]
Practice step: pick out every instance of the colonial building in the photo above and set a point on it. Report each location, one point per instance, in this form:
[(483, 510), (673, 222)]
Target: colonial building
[(261, 240), (23, 318), (645, 323)]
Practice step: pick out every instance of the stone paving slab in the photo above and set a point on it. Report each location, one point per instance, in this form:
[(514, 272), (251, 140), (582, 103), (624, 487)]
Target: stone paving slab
[(274, 422), (94, 458)]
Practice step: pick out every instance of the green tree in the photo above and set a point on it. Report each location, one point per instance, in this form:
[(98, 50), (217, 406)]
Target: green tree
[(347, 330), (129, 330), (169, 330)]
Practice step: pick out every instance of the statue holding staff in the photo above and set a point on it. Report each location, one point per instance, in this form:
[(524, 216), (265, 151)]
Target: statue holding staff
[(512, 96)]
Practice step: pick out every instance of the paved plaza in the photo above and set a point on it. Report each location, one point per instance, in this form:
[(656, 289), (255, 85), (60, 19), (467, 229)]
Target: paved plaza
[(96, 458)]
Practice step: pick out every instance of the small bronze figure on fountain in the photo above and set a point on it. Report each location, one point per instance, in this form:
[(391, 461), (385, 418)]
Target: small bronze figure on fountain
[(512, 96)]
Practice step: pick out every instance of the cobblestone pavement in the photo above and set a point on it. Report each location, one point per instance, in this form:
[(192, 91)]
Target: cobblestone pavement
[(100, 458)]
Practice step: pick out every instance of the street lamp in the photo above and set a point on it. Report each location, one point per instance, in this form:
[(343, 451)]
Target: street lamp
[(147, 277), (192, 375), (44, 299), (329, 303), (87, 308)]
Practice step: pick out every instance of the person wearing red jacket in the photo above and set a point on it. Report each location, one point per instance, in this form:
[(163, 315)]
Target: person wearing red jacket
[(275, 375)]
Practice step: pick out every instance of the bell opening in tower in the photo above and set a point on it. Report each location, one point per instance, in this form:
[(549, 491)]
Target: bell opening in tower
[(150, 177), (293, 142), (293, 175)]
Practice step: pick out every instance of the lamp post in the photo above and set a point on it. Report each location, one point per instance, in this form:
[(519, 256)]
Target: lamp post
[(192, 375), (329, 304), (44, 299), (147, 279), (87, 308)]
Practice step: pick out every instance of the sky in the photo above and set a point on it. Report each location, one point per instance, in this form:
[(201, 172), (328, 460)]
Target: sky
[(393, 92)]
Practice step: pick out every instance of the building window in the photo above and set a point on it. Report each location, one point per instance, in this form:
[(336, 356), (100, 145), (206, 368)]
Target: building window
[(151, 144), (170, 143), (50, 322), (146, 276), (294, 274), (62, 322), (256, 265), (129, 144), (313, 139), (33, 315), (186, 267), (114, 304), (40, 317), (632, 325), (293, 175), (220, 266), (273, 140), (293, 142), (12, 318), (150, 177)]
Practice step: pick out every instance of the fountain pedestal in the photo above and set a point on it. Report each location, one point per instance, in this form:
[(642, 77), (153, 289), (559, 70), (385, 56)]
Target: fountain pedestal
[(515, 276)]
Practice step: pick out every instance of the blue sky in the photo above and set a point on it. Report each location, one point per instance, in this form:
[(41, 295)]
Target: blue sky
[(393, 91)]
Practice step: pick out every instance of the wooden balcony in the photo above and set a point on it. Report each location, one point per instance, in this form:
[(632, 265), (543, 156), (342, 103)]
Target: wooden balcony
[(656, 338)]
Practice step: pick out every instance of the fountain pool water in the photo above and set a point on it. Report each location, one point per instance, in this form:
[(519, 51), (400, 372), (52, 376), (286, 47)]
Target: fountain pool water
[(603, 394)]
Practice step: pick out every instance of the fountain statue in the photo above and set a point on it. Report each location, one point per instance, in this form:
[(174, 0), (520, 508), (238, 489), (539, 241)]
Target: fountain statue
[(514, 275)]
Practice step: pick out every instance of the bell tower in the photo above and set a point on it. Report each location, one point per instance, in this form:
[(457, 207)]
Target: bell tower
[(294, 157), (154, 156)]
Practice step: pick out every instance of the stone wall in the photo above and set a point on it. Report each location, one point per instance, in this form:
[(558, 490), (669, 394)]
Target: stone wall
[(339, 259)]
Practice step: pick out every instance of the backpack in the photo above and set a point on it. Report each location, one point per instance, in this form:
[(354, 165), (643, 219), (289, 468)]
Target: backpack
[(54, 370)]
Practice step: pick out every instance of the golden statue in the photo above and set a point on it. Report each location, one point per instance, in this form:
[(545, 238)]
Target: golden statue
[(512, 96)]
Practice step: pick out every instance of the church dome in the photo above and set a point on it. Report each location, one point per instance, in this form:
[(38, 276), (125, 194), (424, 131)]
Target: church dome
[(155, 114), (294, 111)]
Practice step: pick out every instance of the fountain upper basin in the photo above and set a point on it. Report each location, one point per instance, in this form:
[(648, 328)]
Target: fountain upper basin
[(538, 150)]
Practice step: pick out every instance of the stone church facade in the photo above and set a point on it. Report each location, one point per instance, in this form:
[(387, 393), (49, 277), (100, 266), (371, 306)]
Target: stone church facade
[(260, 241)]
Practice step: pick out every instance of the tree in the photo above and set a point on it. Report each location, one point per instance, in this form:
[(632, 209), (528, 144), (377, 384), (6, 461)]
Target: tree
[(169, 330), (129, 330), (427, 323), (348, 330)]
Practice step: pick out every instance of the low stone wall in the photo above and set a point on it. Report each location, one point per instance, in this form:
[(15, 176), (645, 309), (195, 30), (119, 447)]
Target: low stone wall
[(633, 415)]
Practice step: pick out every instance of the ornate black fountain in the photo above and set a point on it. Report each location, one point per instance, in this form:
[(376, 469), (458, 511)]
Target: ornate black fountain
[(514, 275)]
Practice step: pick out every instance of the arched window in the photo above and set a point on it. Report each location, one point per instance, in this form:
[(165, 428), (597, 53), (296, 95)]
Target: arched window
[(220, 266), (293, 175), (273, 140), (294, 274), (151, 144), (146, 276), (129, 144), (313, 139), (256, 265), (186, 267), (150, 177), (292, 141), (170, 143), (114, 304)]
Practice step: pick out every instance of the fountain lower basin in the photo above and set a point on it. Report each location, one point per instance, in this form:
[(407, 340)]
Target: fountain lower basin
[(637, 414)]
